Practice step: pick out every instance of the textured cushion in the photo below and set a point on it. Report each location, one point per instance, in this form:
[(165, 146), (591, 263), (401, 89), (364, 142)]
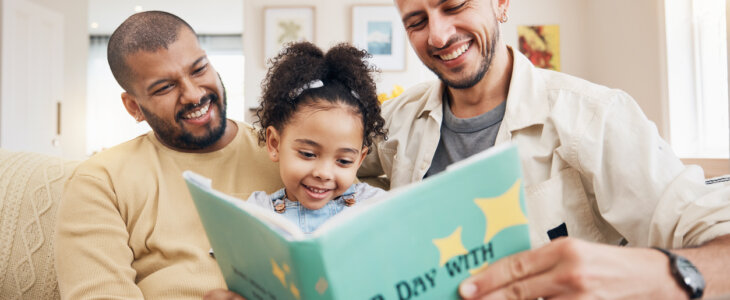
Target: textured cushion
[(30, 190)]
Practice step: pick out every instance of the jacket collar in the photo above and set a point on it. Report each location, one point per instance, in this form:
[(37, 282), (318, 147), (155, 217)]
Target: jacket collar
[(434, 101), (527, 103)]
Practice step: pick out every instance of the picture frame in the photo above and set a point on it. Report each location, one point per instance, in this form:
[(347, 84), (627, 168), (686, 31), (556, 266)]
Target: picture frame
[(379, 30), (541, 45), (285, 24)]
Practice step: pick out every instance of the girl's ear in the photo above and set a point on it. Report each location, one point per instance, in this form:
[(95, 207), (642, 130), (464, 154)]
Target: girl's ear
[(362, 155), (273, 140)]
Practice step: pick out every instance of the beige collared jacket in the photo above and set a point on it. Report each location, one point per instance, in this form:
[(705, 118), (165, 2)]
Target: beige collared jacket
[(593, 163)]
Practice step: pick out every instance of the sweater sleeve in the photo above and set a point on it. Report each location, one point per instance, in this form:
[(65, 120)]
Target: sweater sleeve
[(93, 258)]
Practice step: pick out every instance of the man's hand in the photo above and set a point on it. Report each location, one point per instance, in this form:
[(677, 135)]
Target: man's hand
[(572, 269), (221, 294)]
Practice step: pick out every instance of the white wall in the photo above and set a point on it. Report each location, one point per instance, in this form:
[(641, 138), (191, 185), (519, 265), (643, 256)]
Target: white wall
[(568, 14), (681, 77), (1, 52), (617, 43), (626, 42), (215, 17), (727, 32), (332, 26), (76, 46)]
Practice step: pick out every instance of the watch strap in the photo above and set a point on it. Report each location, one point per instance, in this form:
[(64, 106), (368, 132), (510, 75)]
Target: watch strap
[(694, 289)]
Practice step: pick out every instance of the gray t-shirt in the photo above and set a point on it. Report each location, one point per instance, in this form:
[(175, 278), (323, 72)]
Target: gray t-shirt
[(461, 138)]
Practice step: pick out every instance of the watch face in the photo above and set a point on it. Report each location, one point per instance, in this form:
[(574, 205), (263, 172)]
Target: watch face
[(691, 277)]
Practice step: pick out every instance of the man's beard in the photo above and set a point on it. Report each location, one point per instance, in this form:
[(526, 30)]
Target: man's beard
[(473, 79), (175, 135)]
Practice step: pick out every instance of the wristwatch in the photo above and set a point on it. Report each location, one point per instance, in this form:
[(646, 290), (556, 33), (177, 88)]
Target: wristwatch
[(688, 277)]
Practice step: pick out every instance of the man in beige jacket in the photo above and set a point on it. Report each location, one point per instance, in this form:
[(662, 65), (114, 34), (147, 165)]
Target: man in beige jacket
[(595, 168)]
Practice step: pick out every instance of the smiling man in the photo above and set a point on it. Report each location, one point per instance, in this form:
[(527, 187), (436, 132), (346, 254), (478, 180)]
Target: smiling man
[(127, 227), (595, 169)]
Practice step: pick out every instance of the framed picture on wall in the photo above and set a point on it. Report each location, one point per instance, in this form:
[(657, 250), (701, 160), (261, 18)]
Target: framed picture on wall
[(379, 30), (286, 24), (541, 44)]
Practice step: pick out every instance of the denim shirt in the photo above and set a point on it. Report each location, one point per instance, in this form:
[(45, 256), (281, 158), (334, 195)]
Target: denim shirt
[(308, 219)]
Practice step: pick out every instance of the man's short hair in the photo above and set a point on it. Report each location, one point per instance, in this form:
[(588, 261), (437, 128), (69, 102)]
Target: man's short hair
[(146, 31)]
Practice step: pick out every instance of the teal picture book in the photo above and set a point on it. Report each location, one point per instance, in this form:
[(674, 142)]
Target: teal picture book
[(415, 242)]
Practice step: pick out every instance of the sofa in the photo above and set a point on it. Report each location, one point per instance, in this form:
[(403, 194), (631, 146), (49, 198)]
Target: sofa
[(30, 190)]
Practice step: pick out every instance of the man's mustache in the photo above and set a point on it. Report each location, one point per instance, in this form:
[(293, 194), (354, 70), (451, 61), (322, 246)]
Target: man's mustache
[(452, 40), (212, 98)]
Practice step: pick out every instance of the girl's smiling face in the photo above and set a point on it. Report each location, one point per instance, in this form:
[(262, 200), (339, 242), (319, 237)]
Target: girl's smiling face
[(319, 151)]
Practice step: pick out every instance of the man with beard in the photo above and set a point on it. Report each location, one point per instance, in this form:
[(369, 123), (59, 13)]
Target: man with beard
[(127, 227), (595, 169)]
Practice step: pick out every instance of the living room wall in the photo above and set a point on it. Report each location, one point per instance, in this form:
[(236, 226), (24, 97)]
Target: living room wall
[(627, 50), (76, 46), (332, 26), (606, 43), (568, 14), (601, 41), (1, 52), (75, 53)]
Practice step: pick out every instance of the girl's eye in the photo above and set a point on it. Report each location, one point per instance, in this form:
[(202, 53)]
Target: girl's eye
[(344, 162), (306, 154)]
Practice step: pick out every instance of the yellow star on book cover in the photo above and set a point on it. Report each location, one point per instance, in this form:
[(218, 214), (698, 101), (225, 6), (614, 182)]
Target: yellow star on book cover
[(502, 211), (450, 246), (294, 291), (321, 285), (278, 272)]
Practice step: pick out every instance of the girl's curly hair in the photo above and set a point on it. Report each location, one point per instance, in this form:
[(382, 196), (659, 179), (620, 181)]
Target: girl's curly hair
[(346, 78)]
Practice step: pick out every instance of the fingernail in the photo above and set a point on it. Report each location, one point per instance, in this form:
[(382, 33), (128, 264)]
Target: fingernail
[(467, 289)]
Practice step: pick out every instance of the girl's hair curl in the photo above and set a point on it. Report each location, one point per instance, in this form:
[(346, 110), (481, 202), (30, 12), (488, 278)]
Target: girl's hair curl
[(346, 78)]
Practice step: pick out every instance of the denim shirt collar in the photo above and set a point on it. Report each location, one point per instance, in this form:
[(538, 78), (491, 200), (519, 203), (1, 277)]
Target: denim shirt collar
[(281, 194)]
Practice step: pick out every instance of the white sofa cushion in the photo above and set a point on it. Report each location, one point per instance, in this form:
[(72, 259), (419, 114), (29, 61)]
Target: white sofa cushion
[(30, 190)]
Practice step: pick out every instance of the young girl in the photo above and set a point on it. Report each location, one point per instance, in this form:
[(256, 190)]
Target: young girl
[(318, 116)]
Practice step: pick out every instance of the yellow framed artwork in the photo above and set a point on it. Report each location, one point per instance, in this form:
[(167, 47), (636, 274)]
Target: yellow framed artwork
[(541, 44)]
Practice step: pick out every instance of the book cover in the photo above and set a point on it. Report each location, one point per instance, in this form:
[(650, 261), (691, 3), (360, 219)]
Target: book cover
[(416, 242)]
